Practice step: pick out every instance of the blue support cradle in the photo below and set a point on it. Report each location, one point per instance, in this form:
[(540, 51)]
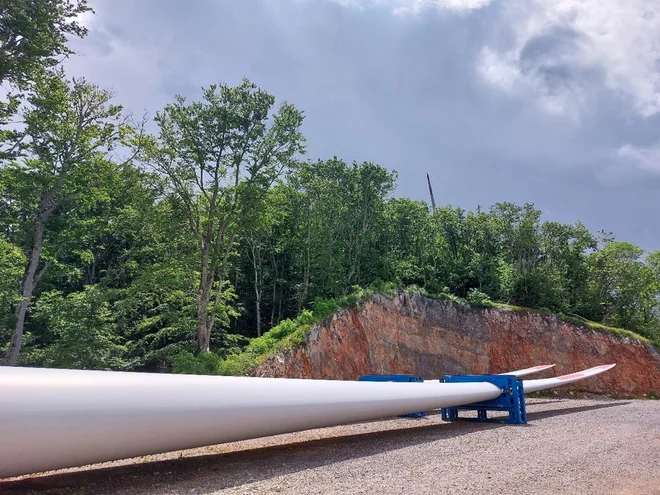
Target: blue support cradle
[(511, 401)]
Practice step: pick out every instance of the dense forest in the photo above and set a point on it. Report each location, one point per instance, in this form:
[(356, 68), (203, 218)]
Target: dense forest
[(126, 242)]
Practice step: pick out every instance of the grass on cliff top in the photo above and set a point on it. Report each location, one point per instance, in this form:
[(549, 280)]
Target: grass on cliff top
[(291, 333), (579, 321)]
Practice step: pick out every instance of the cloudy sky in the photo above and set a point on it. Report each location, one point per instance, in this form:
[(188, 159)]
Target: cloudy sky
[(555, 102)]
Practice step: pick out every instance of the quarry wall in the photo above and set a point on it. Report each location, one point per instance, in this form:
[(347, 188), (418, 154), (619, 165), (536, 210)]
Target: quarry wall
[(414, 334)]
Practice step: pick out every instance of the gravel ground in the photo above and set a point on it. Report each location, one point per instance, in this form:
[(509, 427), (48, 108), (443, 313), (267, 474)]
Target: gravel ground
[(569, 446)]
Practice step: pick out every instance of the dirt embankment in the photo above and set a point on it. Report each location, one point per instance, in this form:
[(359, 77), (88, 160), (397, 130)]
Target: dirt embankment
[(414, 334)]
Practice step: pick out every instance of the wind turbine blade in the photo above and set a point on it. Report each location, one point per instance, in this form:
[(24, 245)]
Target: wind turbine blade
[(52, 419), (529, 371), (545, 383)]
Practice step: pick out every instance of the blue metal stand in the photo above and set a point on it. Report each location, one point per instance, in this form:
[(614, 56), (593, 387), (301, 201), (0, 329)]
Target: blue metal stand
[(396, 378), (512, 400)]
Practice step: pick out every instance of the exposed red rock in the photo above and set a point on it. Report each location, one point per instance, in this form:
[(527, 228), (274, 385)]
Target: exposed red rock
[(414, 334)]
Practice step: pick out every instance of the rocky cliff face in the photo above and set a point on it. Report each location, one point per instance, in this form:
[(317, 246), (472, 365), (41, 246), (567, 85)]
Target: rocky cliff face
[(413, 334)]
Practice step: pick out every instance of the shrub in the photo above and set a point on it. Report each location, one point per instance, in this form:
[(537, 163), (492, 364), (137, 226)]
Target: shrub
[(206, 363), (478, 299), (381, 287)]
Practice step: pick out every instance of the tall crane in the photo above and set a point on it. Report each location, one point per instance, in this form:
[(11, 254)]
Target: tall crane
[(428, 179)]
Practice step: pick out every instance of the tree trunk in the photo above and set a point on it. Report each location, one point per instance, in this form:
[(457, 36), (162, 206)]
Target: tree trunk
[(203, 299), (258, 313), (256, 266), (27, 287), (206, 319), (279, 304), (203, 330), (610, 312), (303, 295), (272, 312)]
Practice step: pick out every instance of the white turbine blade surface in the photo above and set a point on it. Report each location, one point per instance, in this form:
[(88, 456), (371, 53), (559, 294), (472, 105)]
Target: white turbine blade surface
[(529, 371), (52, 419), (517, 373), (545, 383)]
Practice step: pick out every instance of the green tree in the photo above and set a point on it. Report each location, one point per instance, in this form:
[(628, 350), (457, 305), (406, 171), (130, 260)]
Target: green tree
[(70, 127), (33, 35), (527, 281), (12, 264), (80, 330), (653, 261), (33, 39), (564, 249), (342, 206), (156, 312), (220, 155), (367, 187), (451, 249), (652, 308), (258, 246), (485, 263), (622, 281), (405, 235)]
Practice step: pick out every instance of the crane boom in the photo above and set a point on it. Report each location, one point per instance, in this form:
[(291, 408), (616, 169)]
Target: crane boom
[(428, 179)]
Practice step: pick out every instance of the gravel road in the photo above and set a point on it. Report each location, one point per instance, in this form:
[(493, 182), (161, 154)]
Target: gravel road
[(569, 446)]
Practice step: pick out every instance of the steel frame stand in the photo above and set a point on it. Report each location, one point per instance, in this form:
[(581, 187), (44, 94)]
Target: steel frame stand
[(512, 400)]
